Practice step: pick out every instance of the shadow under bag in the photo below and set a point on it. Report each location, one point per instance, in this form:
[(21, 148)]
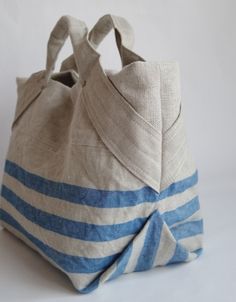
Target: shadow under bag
[(98, 176)]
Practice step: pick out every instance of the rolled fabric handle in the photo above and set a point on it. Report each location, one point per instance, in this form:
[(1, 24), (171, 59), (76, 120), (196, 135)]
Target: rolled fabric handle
[(124, 39), (108, 22), (66, 26)]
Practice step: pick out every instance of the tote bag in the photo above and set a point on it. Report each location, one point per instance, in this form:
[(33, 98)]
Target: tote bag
[(98, 177)]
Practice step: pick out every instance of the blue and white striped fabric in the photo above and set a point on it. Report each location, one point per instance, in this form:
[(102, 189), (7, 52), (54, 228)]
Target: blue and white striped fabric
[(74, 246), (98, 177)]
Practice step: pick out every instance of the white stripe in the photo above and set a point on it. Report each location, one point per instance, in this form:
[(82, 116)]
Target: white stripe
[(166, 247), (80, 281), (192, 243), (196, 216), (175, 201), (191, 257)]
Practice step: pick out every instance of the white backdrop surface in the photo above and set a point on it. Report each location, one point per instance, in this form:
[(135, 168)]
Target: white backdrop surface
[(200, 35)]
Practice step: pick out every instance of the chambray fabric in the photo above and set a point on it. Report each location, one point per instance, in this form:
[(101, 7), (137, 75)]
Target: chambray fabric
[(98, 177)]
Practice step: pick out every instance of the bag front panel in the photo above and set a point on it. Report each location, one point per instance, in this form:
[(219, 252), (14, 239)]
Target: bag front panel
[(60, 193)]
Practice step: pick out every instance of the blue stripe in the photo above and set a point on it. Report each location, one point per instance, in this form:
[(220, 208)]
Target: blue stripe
[(70, 264), (182, 212), (187, 229), (71, 228), (198, 252), (151, 243), (95, 197), (180, 254), (122, 262)]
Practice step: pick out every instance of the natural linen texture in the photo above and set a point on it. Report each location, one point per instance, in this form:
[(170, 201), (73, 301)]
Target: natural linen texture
[(98, 177)]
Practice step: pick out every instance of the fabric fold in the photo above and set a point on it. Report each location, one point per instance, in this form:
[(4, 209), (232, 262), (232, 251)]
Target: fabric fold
[(132, 139)]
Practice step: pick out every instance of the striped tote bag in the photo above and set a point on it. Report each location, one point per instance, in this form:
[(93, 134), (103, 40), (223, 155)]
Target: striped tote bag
[(98, 176)]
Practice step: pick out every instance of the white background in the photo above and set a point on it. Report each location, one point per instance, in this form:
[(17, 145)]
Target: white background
[(200, 34)]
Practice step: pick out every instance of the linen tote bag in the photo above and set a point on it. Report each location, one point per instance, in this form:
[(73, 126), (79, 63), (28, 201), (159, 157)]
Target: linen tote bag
[(98, 176)]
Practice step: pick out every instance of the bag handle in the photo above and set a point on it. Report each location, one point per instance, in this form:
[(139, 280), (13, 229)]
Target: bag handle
[(29, 90), (108, 22), (88, 56), (124, 39), (66, 26), (123, 32)]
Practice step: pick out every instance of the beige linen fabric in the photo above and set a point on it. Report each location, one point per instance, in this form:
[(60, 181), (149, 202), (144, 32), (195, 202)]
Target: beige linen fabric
[(98, 177)]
